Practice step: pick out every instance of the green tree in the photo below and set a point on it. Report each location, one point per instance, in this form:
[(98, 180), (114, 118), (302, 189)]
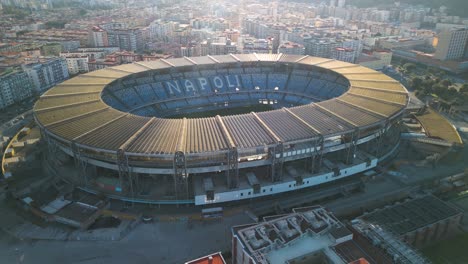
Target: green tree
[(446, 82), (464, 88), (409, 66), (416, 82)]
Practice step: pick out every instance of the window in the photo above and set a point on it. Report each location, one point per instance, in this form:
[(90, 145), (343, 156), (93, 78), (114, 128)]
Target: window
[(242, 194), (264, 190), (271, 189), (249, 193)]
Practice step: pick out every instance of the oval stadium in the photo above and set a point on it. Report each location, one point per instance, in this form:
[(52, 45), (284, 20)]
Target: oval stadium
[(215, 129)]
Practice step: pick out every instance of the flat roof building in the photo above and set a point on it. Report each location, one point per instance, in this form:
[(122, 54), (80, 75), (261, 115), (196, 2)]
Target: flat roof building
[(308, 235), (417, 221)]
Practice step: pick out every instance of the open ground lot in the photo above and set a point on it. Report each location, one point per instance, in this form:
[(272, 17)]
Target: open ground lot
[(164, 242)]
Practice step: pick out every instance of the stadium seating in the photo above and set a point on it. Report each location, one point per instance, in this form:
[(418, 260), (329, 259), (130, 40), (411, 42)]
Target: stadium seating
[(128, 97), (110, 100), (247, 82), (191, 74), (259, 80), (292, 99), (236, 71), (238, 97), (298, 83), (145, 111), (277, 80), (176, 104), (146, 93), (208, 73), (255, 84), (159, 91), (315, 85)]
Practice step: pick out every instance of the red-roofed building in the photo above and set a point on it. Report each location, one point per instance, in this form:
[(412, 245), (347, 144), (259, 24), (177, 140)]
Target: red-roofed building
[(215, 258), (360, 261)]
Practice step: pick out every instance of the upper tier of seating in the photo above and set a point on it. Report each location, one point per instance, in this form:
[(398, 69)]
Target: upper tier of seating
[(144, 96)]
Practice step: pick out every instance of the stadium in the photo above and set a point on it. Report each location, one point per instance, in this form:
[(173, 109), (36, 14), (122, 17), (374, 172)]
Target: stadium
[(152, 132)]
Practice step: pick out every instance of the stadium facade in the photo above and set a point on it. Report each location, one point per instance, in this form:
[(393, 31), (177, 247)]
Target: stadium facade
[(331, 120)]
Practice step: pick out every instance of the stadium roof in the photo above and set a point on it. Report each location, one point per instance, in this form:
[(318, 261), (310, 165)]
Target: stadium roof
[(74, 111), (437, 126), (411, 215)]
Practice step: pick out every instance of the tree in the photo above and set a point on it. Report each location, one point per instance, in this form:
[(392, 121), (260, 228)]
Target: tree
[(416, 82), (446, 82), (83, 12), (409, 66), (439, 89), (464, 88), (55, 24)]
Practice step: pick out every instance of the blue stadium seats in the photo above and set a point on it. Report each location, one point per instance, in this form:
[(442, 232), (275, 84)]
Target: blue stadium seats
[(259, 80), (218, 98), (160, 91), (300, 72), (292, 98), (177, 75), (247, 82), (266, 69), (325, 91), (252, 70), (162, 77), (239, 97), (218, 83), (233, 82), (114, 86), (258, 95), (198, 101), (111, 101), (145, 111), (146, 93), (203, 85), (274, 96), (298, 83), (305, 101), (277, 80), (176, 104), (314, 86), (129, 82), (315, 74), (329, 77), (257, 84), (236, 71), (342, 81), (191, 74), (174, 88), (128, 97), (221, 72), (208, 73)]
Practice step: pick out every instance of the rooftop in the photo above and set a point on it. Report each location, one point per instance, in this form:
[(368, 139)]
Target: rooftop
[(405, 217), (437, 126), (286, 237), (215, 258)]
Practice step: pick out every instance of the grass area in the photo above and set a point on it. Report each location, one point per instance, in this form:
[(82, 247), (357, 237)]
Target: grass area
[(453, 251), (227, 111)]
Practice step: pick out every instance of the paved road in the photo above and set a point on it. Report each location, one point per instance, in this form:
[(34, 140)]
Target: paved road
[(167, 242)]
